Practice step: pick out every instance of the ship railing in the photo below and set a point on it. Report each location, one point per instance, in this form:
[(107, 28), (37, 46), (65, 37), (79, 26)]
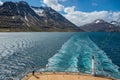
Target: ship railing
[(100, 73)]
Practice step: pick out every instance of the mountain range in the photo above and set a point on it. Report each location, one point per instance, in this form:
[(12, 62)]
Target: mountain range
[(19, 16)]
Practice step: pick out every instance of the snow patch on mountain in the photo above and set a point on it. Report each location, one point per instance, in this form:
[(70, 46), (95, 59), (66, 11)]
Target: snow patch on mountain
[(40, 12), (26, 18), (98, 21), (115, 23)]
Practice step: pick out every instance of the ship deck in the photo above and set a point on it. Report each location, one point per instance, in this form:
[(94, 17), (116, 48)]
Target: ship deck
[(62, 76)]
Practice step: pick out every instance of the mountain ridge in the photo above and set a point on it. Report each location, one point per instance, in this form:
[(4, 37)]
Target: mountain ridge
[(100, 25)]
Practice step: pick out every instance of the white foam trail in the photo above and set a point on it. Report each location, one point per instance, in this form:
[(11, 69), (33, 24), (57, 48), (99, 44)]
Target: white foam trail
[(65, 59), (76, 55)]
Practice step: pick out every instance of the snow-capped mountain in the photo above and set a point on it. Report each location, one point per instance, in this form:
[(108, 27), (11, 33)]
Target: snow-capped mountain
[(22, 17), (100, 26), (51, 18)]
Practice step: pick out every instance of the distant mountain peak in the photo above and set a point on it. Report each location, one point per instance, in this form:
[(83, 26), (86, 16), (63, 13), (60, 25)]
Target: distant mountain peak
[(8, 3), (23, 2), (100, 26)]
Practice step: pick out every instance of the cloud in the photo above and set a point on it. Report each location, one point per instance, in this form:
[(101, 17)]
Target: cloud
[(1, 3), (54, 4), (69, 9), (81, 18)]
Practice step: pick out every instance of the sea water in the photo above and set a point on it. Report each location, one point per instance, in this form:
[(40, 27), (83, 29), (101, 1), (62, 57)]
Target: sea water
[(56, 51)]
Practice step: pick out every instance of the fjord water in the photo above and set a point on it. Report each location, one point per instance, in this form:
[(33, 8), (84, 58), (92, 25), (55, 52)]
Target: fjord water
[(59, 52)]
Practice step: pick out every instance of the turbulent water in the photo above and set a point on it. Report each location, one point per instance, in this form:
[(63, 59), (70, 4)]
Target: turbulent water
[(70, 52)]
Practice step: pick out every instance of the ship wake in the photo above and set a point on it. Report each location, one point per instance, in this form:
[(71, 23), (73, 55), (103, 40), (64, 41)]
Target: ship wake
[(75, 56)]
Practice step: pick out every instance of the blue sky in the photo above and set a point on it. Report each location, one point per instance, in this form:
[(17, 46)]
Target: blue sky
[(31, 2), (81, 12), (83, 5), (96, 5)]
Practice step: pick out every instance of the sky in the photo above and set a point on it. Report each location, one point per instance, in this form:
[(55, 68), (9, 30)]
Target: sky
[(81, 12)]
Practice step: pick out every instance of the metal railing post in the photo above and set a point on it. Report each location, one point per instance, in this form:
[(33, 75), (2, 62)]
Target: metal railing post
[(93, 68)]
